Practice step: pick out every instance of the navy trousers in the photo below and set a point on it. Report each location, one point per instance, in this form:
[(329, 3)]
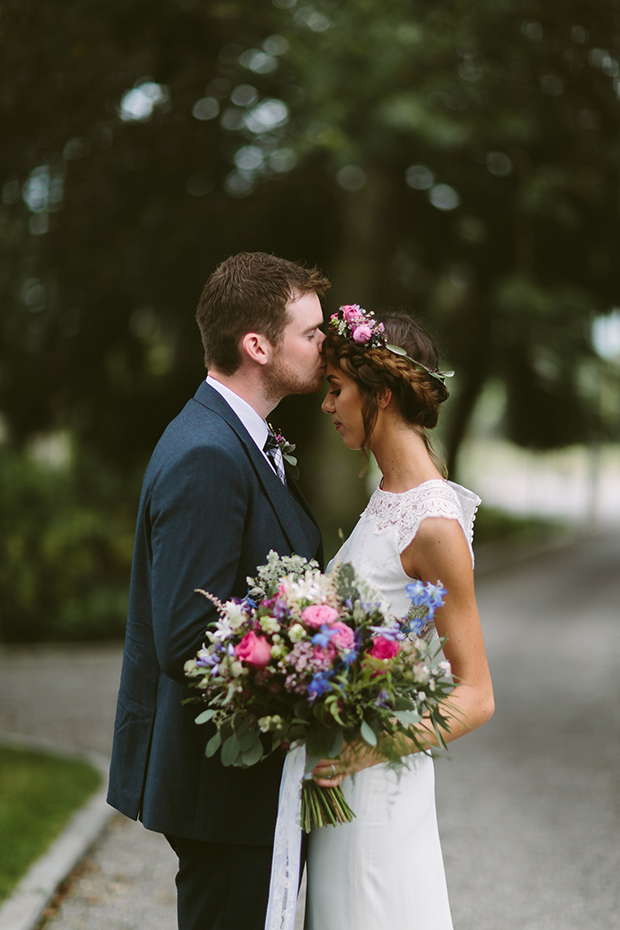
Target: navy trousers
[(222, 886)]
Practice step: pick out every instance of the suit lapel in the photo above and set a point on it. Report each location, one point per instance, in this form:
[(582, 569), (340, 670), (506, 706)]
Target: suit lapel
[(290, 506)]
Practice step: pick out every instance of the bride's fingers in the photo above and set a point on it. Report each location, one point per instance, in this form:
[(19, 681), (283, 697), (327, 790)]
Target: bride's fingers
[(326, 768), (330, 782)]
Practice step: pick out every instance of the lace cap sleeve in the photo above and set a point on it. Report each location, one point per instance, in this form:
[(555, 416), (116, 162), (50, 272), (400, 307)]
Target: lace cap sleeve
[(436, 498)]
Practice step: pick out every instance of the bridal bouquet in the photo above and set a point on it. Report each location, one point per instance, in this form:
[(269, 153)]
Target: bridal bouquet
[(316, 659)]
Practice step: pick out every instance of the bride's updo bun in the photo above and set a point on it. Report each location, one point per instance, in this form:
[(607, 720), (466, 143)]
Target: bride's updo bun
[(416, 393)]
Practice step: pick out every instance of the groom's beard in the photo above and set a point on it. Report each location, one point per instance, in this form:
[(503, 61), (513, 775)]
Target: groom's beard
[(282, 380)]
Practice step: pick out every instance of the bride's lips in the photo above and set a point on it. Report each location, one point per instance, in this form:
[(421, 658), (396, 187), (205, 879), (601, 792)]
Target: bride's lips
[(337, 424)]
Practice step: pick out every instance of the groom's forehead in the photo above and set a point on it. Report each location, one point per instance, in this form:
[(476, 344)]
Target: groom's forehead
[(304, 312)]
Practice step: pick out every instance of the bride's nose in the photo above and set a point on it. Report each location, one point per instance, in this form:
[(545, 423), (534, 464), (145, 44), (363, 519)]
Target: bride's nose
[(327, 406)]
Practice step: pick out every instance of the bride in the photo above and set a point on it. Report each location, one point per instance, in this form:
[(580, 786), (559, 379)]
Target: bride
[(384, 871)]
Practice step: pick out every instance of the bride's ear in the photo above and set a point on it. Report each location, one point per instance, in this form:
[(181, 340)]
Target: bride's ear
[(384, 398)]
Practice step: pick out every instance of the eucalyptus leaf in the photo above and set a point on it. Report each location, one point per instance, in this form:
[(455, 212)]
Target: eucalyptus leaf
[(254, 754), (204, 716), (407, 716), (311, 761), (336, 744), (230, 750), (397, 350), (368, 734), (213, 745), (247, 740)]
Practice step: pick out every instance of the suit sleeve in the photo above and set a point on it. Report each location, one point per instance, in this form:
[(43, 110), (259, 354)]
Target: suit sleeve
[(198, 514)]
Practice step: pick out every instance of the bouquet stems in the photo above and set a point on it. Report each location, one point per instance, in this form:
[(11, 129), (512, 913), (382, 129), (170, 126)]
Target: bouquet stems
[(323, 806)]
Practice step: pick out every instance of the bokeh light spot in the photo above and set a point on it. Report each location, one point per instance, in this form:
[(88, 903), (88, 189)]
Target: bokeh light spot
[(206, 108), (259, 62), (268, 114), (419, 177), (138, 104), (244, 95), (499, 164), (444, 197), (352, 178)]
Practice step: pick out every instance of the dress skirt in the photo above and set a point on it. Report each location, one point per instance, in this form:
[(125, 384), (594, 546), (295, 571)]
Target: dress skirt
[(384, 871)]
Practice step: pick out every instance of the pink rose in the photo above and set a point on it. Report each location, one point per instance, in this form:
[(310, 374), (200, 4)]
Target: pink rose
[(383, 648), (350, 312), (362, 333), (254, 650), (319, 614), (343, 638)]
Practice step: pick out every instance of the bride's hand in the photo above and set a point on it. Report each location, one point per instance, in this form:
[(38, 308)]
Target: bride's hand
[(329, 773)]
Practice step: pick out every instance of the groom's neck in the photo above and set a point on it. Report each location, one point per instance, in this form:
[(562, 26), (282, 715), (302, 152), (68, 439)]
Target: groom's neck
[(249, 386)]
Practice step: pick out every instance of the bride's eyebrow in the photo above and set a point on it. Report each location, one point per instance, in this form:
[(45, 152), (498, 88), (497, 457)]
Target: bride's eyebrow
[(331, 378)]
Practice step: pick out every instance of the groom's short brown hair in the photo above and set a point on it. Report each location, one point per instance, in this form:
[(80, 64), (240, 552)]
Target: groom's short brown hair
[(248, 293)]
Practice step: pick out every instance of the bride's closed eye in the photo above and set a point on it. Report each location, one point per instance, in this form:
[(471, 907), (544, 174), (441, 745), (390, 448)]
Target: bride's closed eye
[(334, 393)]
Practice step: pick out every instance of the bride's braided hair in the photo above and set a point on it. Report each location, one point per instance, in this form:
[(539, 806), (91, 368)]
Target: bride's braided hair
[(417, 394)]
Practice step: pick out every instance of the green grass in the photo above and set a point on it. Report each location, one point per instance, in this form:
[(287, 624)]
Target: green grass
[(38, 795)]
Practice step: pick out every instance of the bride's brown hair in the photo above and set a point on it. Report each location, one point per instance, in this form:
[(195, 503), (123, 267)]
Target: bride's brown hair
[(416, 393)]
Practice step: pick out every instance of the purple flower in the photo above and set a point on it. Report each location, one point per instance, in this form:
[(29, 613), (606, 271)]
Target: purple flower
[(389, 632), (280, 610), (383, 698)]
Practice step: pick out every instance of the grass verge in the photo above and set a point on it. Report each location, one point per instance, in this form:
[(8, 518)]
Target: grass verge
[(38, 795)]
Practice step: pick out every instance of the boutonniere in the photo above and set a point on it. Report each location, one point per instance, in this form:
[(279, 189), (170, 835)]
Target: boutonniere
[(286, 448)]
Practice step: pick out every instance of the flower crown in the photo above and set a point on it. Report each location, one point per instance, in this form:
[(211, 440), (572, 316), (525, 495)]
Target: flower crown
[(353, 322)]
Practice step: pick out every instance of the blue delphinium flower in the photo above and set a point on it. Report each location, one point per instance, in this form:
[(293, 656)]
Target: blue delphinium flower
[(322, 639), (415, 625), (426, 595), (319, 685), (348, 657)]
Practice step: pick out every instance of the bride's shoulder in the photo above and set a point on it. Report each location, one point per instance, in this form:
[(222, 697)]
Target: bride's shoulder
[(434, 498)]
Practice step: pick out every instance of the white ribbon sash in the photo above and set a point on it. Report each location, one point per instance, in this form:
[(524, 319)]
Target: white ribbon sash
[(285, 862)]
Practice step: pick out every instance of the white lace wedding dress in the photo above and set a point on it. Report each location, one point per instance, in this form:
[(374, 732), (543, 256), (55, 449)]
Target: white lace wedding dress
[(385, 871)]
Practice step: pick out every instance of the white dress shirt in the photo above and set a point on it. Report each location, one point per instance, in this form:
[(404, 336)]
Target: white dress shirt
[(253, 422)]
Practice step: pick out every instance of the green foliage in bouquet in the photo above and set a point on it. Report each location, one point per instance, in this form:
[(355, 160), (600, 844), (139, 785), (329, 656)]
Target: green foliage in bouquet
[(316, 659)]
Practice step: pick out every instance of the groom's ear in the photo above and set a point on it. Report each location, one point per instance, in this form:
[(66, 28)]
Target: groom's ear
[(257, 348)]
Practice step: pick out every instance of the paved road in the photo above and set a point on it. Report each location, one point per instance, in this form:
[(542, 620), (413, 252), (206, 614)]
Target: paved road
[(529, 806)]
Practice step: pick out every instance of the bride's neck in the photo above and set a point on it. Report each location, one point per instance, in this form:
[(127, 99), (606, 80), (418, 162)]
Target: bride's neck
[(402, 457)]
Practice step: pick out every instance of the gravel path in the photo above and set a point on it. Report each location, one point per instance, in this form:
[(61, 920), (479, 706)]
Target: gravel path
[(528, 805)]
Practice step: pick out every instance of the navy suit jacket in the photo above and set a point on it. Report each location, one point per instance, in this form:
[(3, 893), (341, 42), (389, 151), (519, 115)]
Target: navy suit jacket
[(211, 509)]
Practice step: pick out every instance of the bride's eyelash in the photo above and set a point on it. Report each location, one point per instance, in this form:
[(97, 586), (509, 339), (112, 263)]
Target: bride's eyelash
[(335, 393)]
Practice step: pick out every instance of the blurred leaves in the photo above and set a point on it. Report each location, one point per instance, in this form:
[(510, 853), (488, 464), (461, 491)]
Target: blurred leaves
[(457, 159), (66, 540)]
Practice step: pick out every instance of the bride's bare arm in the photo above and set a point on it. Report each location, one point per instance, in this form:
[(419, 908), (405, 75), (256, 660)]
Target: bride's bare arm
[(439, 552)]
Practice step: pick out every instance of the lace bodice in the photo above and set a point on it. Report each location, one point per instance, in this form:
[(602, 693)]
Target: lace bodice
[(391, 521), (435, 498)]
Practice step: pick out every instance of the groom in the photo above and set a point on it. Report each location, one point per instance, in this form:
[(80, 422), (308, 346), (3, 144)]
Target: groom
[(215, 500)]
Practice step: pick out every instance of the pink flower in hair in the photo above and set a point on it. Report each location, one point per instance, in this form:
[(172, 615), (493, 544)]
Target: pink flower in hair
[(362, 333), (351, 313)]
